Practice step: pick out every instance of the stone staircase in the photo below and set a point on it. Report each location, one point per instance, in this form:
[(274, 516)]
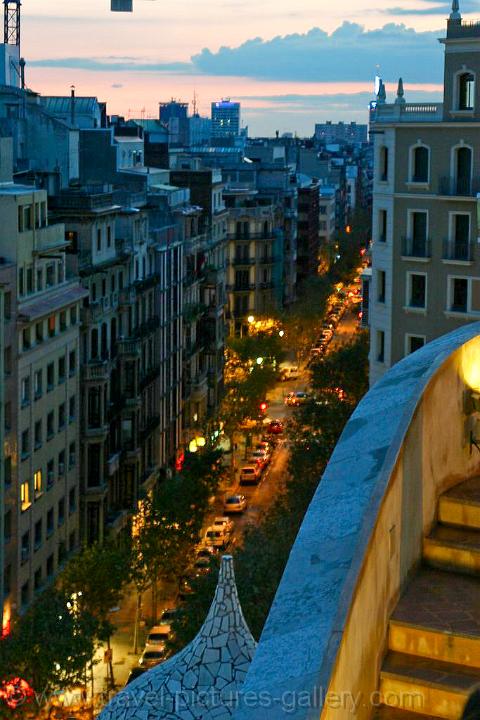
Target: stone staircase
[(433, 660)]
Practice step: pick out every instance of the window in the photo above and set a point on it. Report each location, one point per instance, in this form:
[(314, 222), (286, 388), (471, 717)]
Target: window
[(38, 434), (61, 511), (420, 163), (61, 416), (109, 236), (29, 280), (7, 526), (7, 580), (72, 362), (25, 495), (71, 409), (7, 416), (382, 225), (459, 295), (50, 376), (25, 594), (50, 566), (37, 535), (73, 315), (37, 483), (381, 280), (25, 443), (39, 279), (61, 370), (63, 321), (26, 339), (25, 391), (7, 469), (72, 541), (50, 425), (50, 522), (71, 237), (72, 501), (463, 171), (37, 579), (50, 473), (466, 91), (51, 326), (61, 463), (38, 384), (7, 360), (39, 333), (414, 342), (7, 306), (112, 283), (21, 282), (50, 275), (383, 174), (104, 287), (380, 346), (417, 290), (71, 455), (99, 239), (458, 246)]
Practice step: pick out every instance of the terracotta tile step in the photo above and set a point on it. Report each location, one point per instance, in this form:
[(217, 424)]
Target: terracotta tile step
[(461, 504), (425, 686), (441, 601), (456, 548)]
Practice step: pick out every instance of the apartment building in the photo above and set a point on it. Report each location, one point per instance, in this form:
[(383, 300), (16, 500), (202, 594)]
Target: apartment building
[(426, 265), (41, 356), (108, 250), (308, 237)]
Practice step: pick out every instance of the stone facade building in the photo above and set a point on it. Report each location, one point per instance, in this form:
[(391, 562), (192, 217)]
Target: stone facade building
[(426, 267)]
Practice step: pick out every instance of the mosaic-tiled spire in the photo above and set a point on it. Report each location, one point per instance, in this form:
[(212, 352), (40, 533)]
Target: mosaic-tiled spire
[(203, 680)]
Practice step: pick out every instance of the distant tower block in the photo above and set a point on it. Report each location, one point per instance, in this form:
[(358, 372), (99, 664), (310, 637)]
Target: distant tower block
[(121, 5)]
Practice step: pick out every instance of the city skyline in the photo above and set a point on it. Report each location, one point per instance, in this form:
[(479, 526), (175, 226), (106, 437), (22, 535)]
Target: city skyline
[(269, 58)]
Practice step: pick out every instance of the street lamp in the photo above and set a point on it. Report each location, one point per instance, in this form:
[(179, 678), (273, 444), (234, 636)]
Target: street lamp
[(259, 360), (281, 333), (251, 319)]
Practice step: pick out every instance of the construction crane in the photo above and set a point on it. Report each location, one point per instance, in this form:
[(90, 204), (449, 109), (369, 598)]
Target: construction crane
[(11, 18)]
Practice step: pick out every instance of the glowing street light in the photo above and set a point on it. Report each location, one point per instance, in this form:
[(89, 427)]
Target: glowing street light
[(281, 333), (259, 360), (251, 319)]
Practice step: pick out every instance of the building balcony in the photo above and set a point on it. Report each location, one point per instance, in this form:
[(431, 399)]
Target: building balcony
[(266, 285), (129, 346), (416, 247), (198, 387), (126, 297), (98, 431), (242, 261), (459, 187), (242, 287), (459, 251), (149, 282), (266, 260), (252, 236), (117, 520), (96, 372), (192, 348), (407, 113), (97, 492)]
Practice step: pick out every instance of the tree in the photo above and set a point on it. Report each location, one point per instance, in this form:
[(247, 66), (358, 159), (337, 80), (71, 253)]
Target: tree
[(98, 576), (346, 368), (49, 646)]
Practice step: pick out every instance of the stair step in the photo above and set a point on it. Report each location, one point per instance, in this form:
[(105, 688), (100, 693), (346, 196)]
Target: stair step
[(385, 712), (425, 686), (456, 548), (438, 617), (461, 505)]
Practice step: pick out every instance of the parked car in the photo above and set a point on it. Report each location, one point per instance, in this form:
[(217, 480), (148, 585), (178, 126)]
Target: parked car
[(216, 537), (250, 474), (259, 456), (168, 616), (223, 523), (292, 372), (275, 427), (202, 566), (264, 445), (159, 635), (235, 504), (296, 398), (151, 656), (134, 674)]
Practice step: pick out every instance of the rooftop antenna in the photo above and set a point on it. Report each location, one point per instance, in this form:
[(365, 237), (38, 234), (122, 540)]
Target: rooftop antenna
[(11, 22)]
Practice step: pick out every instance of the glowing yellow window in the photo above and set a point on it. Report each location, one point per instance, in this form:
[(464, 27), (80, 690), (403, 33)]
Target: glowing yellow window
[(38, 483), (25, 495)]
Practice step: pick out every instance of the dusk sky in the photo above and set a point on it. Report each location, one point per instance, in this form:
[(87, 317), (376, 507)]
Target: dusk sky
[(289, 63)]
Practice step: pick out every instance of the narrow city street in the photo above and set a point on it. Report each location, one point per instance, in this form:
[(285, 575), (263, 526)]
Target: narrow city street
[(259, 497)]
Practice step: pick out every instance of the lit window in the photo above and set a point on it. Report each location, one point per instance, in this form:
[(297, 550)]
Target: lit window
[(25, 495), (38, 483)]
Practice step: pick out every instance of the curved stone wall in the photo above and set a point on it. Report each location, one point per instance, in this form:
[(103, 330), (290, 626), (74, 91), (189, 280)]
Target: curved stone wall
[(322, 646)]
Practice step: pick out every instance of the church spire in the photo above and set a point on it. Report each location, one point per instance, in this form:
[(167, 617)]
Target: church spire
[(400, 100), (455, 14), (382, 94)]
